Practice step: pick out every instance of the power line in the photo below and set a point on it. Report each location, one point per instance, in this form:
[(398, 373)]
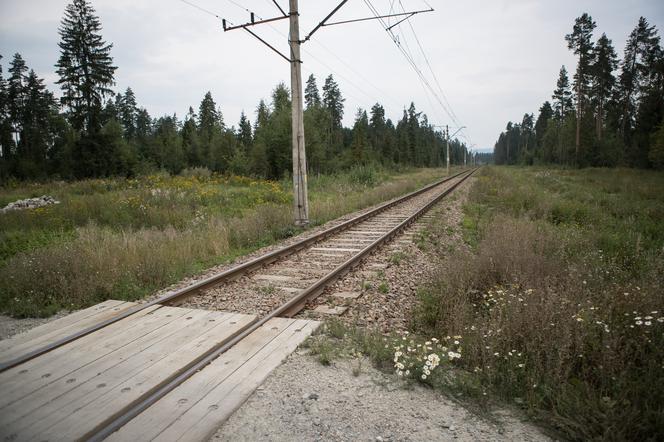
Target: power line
[(426, 59), (410, 59), (207, 11)]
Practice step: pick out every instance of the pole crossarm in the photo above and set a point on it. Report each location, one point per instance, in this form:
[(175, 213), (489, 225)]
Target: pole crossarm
[(251, 23), (409, 14)]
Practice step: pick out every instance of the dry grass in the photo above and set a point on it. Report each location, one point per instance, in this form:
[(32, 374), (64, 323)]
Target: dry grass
[(167, 228), (560, 303)]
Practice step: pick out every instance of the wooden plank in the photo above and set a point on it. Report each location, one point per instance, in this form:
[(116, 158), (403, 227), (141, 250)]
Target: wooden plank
[(58, 364), (74, 420), (52, 331), (195, 409), (81, 381)]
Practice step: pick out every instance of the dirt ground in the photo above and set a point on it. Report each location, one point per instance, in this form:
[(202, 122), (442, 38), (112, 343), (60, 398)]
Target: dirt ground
[(304, 400)]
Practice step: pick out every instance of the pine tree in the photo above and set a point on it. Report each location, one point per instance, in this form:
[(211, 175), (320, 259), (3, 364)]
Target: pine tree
[(377, 130), (190, 140), (85, 65), (311, 95), (36, 133), (17, 94), (542, 123), (580, 41), (210, 127), (333, 101), (128, 112), (602, 79), (244, 135), (6, 141), (360, 137), (562, 96)]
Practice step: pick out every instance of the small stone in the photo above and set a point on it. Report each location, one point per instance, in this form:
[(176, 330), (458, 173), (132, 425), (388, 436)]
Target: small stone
[(379, 439), (313, 396)]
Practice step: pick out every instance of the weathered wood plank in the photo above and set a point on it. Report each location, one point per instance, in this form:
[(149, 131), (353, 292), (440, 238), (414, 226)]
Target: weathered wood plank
[(52, 331), (196, 408), (32, 375), (75, 420), (83, 380)]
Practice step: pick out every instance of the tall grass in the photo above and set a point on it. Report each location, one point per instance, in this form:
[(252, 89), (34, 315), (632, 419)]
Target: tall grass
[(126, 238), (560, 302)]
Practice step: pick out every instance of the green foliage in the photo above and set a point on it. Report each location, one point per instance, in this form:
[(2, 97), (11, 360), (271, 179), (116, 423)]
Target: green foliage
[(656, 154), (124, 238), (602, 120), (560, 302)]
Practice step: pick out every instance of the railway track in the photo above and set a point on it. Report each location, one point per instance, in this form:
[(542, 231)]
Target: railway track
[(288, 278)]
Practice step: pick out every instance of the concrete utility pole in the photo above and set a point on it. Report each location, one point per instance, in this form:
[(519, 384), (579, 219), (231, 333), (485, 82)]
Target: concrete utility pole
[(300, 200)]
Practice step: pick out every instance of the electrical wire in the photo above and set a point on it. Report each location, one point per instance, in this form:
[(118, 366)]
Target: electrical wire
[(410, 59)]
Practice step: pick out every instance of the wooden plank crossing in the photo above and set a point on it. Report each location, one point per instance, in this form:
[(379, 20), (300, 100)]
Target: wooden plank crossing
[(196, 408), (72, 391)]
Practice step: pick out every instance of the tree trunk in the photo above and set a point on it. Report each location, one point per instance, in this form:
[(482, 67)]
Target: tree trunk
[(578, 122)]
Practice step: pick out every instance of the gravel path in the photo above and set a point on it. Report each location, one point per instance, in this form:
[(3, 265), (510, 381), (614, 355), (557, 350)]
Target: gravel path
[(305, 401)]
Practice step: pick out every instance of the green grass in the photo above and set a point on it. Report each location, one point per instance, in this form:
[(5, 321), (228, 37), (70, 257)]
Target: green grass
[(558, 302), (123, 239)]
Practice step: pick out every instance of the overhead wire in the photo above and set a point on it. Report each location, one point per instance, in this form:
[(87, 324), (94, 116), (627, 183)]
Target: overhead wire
[(362, 90), (407, 53), (410, 59), (426, 59)]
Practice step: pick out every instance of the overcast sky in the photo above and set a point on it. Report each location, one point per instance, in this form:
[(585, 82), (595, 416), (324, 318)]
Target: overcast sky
[(494, 59)]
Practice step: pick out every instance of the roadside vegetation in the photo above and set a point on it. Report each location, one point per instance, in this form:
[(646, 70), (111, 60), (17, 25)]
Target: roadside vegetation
[(557, 308), (560, 303), (123, 239)]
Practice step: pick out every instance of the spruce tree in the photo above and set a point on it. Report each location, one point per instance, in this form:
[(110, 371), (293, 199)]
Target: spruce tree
[(128, 112), (244, 135), (311, 95), (85, 65), (360, 137), (333, 101), (580, 41), (6, 141), (17, 94), (562, 96), (542, 123)]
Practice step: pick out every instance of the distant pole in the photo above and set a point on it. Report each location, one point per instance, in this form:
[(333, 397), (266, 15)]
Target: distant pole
[(300, 200), (447, 144), (464, 157)]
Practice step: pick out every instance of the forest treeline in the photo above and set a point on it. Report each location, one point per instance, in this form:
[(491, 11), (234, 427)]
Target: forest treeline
[(91, 131), (610, 114)]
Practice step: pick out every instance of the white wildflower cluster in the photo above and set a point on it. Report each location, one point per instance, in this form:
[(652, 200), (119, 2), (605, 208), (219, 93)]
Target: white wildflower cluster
[(419, 359), (647, 320)]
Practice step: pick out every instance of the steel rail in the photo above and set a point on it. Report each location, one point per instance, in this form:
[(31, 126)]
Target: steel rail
[(226, 275), (289, 308)]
